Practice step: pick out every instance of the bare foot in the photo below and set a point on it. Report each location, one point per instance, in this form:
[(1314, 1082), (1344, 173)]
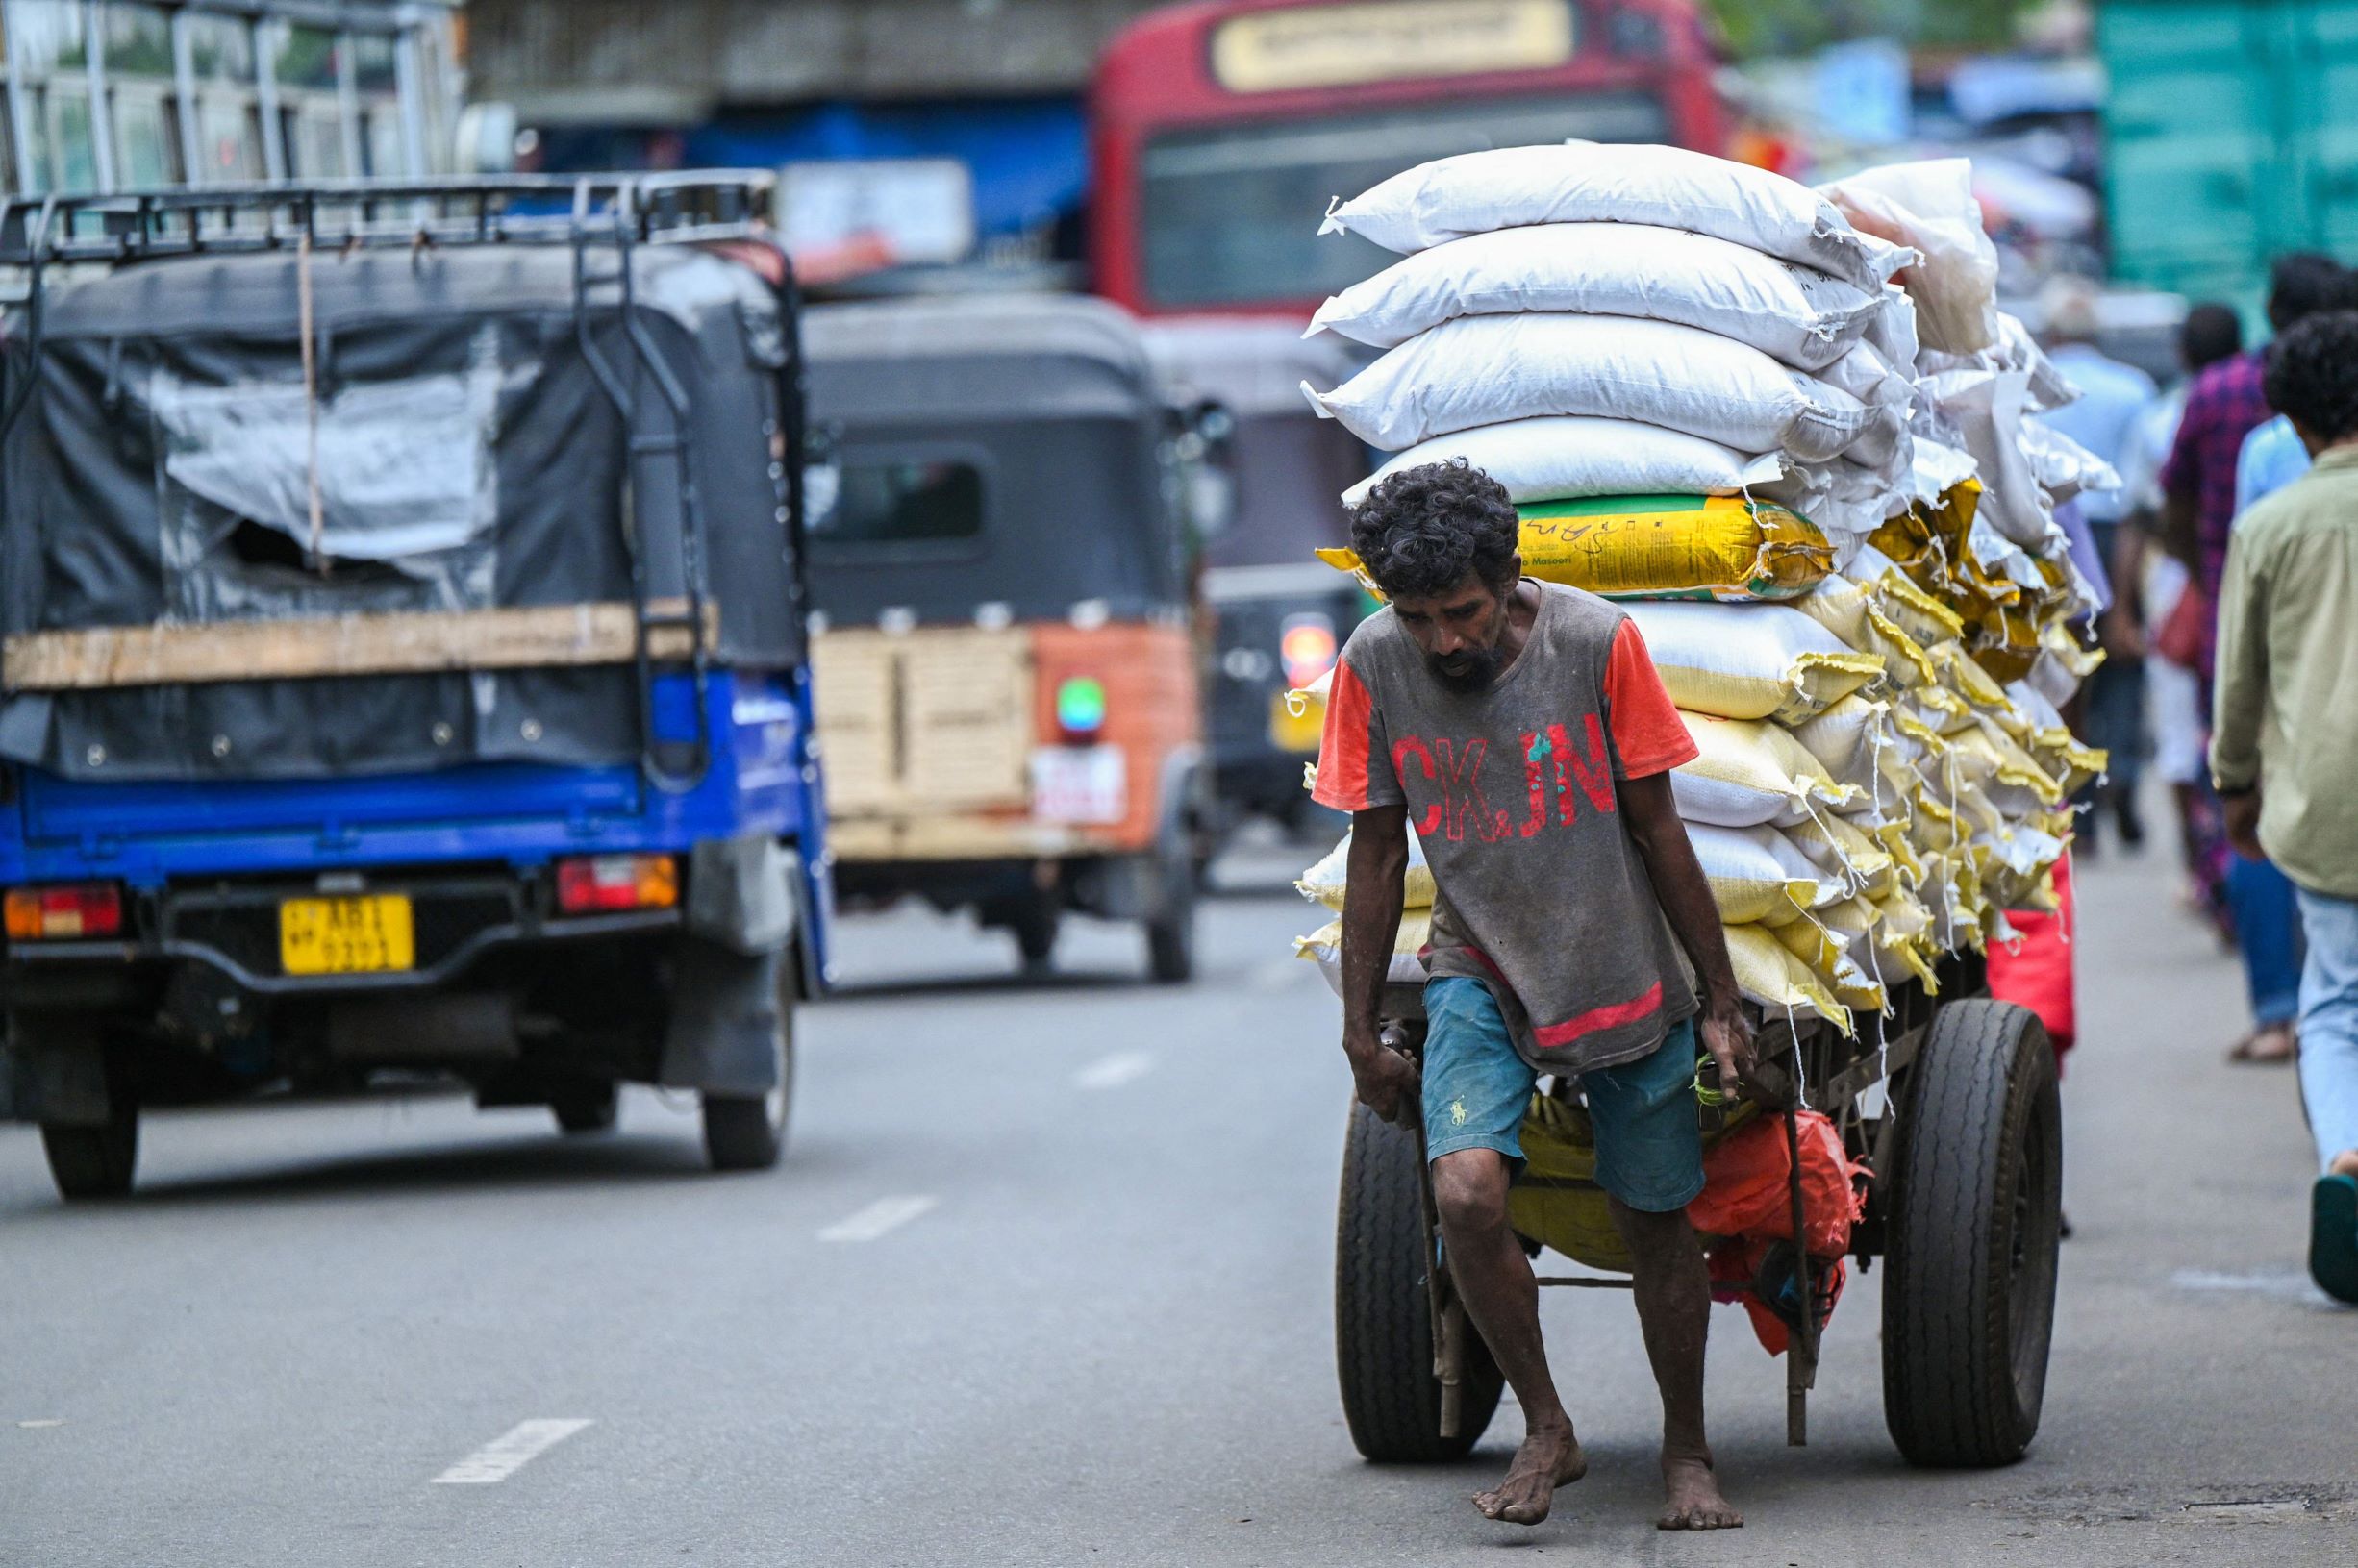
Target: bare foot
[(1550, 1457), (1691, 1498)]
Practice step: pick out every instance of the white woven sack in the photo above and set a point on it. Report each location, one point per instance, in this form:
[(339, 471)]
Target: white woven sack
[(1571, 456), (1930, 207), (1486, 370), (1586, 181), (1800, 316)]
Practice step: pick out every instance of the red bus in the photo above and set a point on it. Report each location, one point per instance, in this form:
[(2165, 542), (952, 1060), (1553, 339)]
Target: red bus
[(1222, 129)]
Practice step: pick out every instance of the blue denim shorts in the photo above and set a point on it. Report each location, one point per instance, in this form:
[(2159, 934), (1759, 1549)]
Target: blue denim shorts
[(1477, 1088)]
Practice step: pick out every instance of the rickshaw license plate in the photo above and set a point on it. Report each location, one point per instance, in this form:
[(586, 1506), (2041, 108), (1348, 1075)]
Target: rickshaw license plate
[(1079, 784), (365, 935), (1290, 732)]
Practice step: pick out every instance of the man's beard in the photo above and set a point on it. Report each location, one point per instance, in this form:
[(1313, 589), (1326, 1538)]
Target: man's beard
[(1476, 668)]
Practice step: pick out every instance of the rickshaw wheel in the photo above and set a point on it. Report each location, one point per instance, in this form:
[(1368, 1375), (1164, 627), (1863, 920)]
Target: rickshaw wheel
[(94, 1161), (1170, 930), (747, 1132), (1383, 1313), (1976, 1206)]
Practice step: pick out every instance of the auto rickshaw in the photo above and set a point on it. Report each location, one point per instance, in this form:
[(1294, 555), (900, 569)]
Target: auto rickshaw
[(1001, 562), (1277, 617), (404, 653)]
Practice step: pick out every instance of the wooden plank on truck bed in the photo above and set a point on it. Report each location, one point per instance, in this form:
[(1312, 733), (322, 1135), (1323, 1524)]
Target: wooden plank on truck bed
[(411, 643)]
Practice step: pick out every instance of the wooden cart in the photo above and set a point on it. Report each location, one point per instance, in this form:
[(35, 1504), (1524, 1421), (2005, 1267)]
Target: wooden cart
[(1965, 1208)]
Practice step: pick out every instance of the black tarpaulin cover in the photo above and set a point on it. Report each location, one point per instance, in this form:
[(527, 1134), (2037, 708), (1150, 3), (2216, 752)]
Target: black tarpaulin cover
[(468, 459)]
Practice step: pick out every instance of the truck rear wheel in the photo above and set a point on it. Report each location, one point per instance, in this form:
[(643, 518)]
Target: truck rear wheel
[(1170, 930), (1383, 1311), (94, 1161), (1976, 1206), (585, 1109), (747, 1132)]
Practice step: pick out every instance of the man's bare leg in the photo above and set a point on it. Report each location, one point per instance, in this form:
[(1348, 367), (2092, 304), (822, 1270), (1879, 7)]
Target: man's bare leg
[(1493, 1278), (1673, 1292)]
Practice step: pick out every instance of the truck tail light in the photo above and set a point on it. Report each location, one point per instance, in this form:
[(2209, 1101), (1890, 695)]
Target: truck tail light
[(1307, 648), (65, 911), (1080, 708), (604, 884)]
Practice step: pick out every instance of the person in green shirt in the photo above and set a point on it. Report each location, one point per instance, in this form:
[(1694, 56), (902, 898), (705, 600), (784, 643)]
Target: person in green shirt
[(2284, 751)]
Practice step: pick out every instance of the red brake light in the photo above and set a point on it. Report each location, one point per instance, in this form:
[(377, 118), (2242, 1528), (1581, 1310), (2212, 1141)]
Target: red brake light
[(603, 884), (65, 911)]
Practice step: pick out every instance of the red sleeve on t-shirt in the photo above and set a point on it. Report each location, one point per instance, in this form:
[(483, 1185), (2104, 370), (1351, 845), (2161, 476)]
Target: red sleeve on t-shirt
[(1354, 765), (1648, 733)]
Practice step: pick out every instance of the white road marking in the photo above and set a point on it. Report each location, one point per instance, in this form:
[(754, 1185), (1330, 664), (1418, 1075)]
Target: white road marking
[(2285, 1284), (1120, 1068), (885, 1214), (31, 1426), (504, 1456)]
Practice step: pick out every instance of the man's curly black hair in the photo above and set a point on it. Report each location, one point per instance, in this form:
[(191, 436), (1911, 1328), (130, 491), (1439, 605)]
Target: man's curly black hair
[(2313, 374), (1422, 530)]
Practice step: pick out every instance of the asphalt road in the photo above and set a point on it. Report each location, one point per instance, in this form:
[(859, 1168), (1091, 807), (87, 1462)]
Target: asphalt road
[(1046, 1281)]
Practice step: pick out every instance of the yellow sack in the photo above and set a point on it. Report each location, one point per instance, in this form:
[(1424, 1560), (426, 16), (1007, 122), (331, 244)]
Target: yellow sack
[(1749, 661), (1748, 771), (1718, 547), (1325, 883), (1772, 978), (1556, 1201), (1323, 947), (1841, 847), (1848, 611), (1757, 874)]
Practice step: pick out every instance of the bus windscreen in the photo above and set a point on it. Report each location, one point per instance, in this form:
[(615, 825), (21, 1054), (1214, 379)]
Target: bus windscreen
[(1230, 210)]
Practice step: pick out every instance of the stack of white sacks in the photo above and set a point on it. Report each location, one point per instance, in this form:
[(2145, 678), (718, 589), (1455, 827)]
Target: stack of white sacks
[(1883, 772)]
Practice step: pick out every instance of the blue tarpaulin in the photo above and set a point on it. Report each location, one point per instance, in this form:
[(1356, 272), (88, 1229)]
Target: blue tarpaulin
[(1029, 156)]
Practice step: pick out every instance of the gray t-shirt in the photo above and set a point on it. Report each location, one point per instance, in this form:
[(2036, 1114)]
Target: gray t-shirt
[(1542, 894)]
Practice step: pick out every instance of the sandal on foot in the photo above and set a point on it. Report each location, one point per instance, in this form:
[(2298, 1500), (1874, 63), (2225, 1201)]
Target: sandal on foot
[(2250, 1052), (2333, 1236)]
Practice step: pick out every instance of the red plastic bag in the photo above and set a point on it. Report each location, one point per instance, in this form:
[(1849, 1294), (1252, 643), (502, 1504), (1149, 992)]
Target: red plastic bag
[(1748, 1203), (2038, 972), (1745, 1191)]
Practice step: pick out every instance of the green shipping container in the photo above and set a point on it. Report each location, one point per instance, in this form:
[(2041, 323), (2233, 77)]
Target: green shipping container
[(2233, 138)]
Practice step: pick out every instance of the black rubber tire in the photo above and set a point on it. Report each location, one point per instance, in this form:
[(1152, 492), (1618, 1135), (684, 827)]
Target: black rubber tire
[(748, 1133), (1976, 1210), (587, 1109), (1170, 931), (94, 1161), (1383, 1316), (1035, 927)]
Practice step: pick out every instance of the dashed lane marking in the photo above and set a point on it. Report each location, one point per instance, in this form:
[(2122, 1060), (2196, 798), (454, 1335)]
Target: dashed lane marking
[(879, 1218), (507, 1454), (1111, 1073)]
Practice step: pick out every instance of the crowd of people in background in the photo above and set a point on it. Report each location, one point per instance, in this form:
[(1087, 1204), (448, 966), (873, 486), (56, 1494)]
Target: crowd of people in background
[(2229, 559)]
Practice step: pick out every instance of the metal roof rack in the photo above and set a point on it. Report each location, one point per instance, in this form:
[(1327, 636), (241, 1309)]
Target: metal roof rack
[(503, 210), (615, 213)]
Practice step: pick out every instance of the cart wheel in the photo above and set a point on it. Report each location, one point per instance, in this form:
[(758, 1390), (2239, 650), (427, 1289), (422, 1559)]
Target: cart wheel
[(1976, 1204), (94, 1161), (1382, 1315), (585, 1109), (747, 1132)]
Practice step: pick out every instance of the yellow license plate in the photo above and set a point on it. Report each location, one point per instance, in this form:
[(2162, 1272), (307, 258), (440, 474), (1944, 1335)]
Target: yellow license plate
[(1290, 732), (346, 936)]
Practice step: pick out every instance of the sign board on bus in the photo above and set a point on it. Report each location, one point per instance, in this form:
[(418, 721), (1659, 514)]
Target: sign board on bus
[(1386, 40)]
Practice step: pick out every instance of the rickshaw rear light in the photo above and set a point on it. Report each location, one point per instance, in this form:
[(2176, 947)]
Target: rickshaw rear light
[(1307, 649), (606, 883), (65, 911), (1080, 708)]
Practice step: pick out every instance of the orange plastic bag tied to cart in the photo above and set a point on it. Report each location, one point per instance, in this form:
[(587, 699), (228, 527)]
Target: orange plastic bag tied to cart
[(1746, 1202)]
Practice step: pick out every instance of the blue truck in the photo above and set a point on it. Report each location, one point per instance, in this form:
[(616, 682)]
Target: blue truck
[(405, 661)]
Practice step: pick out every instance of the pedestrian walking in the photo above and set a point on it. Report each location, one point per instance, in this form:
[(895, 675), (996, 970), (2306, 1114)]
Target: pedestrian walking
[(1556, 938), (2225, 404), (2147, 585), (2114, 398), (2286, 746)]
